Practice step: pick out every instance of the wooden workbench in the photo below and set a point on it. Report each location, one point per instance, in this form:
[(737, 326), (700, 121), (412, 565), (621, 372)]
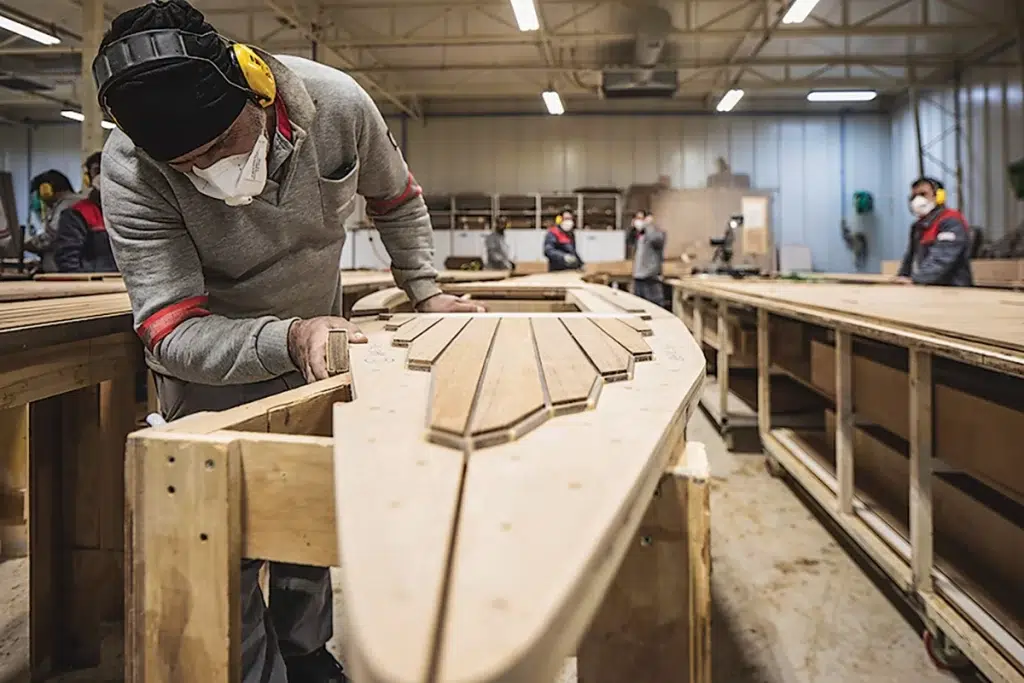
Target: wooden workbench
[(507, 488), (67, 392), (916, 451)]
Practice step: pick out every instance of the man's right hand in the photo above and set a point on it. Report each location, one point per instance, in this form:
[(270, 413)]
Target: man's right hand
[(570, 260), (902, 280), (307, 343)]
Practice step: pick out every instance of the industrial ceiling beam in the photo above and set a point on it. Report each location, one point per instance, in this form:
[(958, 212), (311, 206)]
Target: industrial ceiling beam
[(303, 28), (796, 33)]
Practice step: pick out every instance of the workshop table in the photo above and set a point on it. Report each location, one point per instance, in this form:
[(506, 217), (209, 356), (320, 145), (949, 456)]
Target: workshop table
[(67, 394)]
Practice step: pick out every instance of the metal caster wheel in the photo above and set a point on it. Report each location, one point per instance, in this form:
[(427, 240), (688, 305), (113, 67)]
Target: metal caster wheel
[(773, 467), (943, 653)]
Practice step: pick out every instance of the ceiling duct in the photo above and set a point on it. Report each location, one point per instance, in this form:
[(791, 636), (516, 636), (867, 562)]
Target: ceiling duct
[(644, 79)]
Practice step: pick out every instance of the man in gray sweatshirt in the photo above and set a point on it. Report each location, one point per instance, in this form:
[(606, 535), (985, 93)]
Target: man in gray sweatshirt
[(648, 258), (225, 190)]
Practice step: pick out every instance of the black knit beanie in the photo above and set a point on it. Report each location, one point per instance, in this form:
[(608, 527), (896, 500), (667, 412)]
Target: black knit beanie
[(175, 107)]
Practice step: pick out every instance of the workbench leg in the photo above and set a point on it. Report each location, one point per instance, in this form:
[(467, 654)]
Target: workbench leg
[(184, 530), (764, 377), (698, 322), (64, 500), (921, 442), (654, 625), (14, 481), (722, 368), (844, 421)]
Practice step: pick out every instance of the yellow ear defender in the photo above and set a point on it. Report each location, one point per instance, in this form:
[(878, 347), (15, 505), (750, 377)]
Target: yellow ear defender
[(940, 196), (258, 77), (46, 191), (558, 219)]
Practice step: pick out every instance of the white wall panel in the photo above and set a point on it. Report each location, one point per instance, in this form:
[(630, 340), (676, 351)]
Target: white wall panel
[(992, 137)]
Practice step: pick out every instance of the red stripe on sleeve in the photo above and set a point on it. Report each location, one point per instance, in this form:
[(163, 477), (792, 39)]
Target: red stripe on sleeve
[(382, 206), (162, 323)]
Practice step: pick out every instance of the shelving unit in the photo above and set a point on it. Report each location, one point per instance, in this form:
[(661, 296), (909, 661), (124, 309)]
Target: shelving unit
[(473, 211), (477, 211), (441, 208)]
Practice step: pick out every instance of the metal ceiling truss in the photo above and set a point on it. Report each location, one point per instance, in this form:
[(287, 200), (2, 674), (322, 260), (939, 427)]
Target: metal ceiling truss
[(737, 31)]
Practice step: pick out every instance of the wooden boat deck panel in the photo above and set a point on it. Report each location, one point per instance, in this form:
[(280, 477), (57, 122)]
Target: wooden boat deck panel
[(512, 559)]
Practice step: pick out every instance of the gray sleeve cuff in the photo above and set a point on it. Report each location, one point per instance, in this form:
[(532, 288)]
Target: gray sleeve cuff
[(272, 347), (421, 289)]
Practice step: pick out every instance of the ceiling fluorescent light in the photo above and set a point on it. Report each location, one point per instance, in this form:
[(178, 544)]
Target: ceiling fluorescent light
[(26, 31), (729, 100), (841, 95), (80, 117), (553, 102), (798, 11), (526, 15)]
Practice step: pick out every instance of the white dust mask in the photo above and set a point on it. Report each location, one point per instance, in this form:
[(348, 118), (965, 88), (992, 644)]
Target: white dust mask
[(95, 183), (567, 225), (638, 223), (235, 179), (921, 207)]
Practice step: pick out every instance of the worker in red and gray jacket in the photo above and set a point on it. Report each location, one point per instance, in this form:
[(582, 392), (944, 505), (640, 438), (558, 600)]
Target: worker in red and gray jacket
[(940, 241), (82, 244), (560, 244), (225, 190)]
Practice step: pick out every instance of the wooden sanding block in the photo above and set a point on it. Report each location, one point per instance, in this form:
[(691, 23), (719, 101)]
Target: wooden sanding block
[(337, 352)]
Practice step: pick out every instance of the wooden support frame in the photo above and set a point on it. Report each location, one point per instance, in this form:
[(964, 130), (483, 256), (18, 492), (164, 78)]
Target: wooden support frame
[(240, 468), (722, 364), (909, 562), (205, 495)]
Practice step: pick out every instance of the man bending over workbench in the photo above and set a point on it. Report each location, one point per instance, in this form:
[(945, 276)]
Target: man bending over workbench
[(224, 193)]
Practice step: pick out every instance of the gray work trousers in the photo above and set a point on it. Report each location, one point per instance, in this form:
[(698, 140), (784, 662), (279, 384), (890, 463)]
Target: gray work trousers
[(651, 290), (300, 617)]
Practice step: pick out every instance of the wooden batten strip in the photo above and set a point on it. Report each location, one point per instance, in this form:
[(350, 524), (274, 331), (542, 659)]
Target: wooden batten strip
[(396, 321), (407, 334), (428, 347), (512, 398), (629, 338), (571, 380), (458, 374), (640, 325), (611, 360)]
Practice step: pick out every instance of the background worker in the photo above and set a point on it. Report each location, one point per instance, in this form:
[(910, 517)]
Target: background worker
[(53, 193), (225, 190), (82, 244), (648, 259), (940, 243), (560, 244), (496, 251)]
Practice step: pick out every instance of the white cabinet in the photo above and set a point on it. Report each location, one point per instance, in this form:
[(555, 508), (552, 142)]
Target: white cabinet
[(368, 253), (468, 243), (442, 247), (348, 252), (601, 245), (526, 245)]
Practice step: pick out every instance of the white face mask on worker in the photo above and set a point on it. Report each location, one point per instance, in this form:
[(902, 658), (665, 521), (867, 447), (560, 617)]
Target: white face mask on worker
[(921, 207), (567, 225), (235, 179)]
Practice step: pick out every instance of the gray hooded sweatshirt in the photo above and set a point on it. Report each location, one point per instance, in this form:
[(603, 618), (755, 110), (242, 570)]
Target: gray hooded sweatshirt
[(649, 254), (214, 288)]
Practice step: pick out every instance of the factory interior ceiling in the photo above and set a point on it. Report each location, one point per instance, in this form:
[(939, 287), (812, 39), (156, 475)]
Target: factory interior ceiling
[(421, 56)]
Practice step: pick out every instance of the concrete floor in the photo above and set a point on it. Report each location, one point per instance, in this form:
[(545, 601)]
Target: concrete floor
[(790, 606)]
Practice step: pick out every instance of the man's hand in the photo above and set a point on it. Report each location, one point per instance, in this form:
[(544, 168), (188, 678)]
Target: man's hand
[(446, 303), (570, 260), (902, 280), (307, 343)]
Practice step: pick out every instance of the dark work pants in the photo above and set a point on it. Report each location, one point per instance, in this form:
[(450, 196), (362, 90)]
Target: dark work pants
[(301, 612), (651, 290)]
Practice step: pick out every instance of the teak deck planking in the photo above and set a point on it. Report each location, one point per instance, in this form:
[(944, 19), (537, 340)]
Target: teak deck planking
[(485, 560)]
